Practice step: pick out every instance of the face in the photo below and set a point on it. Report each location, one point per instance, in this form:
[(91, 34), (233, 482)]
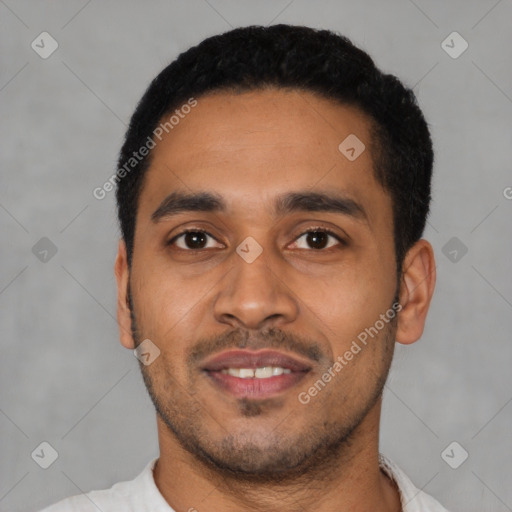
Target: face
[(290, 249)]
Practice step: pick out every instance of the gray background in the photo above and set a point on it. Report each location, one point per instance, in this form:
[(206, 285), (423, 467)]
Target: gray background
[(65, 378)]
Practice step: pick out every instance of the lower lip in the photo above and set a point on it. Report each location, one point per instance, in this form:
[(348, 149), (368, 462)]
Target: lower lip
[(255, 388)]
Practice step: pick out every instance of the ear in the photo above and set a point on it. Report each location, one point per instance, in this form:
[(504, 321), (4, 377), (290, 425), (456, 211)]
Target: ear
[(124, 320), (416, 290)]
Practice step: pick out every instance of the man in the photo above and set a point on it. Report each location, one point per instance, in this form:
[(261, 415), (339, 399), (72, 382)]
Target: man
[(272, 191)]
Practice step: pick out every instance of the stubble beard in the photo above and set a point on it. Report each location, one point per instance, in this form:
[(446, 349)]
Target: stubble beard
[(314, 452)]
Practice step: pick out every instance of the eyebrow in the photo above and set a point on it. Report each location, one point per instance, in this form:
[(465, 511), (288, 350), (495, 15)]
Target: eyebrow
[(180, 202)]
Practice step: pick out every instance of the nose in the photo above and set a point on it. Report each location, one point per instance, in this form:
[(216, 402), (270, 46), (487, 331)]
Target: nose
[(255, 295)]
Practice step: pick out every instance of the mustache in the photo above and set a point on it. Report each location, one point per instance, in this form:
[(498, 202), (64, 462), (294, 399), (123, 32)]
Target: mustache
[(271, 338)]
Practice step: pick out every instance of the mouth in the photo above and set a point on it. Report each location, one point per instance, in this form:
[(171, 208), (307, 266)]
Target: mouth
[(260, 375)]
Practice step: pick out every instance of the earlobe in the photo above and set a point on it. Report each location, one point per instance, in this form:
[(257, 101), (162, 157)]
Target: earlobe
[(122, 273), (416, 290)]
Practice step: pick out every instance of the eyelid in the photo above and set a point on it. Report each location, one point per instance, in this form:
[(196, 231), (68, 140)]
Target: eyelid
[(342, 240), (190, 230)]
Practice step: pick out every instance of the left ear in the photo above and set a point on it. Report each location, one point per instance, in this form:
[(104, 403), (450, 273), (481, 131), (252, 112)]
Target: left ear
[(416, 290)]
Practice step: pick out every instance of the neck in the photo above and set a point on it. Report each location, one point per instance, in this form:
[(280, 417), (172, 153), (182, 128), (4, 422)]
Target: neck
[(345, 479)]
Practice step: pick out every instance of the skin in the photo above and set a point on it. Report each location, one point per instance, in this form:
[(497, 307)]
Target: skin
[(220, 453)]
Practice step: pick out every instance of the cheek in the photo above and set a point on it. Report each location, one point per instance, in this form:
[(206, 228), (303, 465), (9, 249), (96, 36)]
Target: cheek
[(167, 306), (348, 303)]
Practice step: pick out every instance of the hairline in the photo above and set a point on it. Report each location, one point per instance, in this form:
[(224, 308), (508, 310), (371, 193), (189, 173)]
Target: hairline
[(375, 144)]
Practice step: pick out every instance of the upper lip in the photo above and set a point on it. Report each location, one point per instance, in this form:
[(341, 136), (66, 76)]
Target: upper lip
[(253, 360)]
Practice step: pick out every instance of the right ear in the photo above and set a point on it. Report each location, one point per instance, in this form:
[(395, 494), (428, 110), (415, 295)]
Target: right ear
[(124, 319)]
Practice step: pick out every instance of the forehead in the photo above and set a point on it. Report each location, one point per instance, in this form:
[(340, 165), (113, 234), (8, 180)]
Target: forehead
[(248, 147)]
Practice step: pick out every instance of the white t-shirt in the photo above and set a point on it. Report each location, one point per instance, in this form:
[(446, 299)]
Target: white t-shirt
[(142, 495)]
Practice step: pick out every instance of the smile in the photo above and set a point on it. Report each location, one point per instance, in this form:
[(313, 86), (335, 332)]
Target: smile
[(264, 372)]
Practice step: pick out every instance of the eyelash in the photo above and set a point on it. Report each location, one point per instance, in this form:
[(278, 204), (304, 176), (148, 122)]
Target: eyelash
[(309, 230)]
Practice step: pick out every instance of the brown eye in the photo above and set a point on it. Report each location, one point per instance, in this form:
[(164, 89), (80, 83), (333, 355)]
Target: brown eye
[(318, 239), (191, 240)]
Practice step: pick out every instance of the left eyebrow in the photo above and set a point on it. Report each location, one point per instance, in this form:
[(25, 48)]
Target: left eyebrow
[(179, 202), (319, 202)]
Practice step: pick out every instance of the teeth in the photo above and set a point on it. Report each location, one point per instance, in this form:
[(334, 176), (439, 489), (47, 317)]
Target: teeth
[(258, 373)]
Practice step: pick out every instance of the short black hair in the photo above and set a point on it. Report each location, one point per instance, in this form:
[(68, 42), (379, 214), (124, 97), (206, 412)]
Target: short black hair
[(300, 58)]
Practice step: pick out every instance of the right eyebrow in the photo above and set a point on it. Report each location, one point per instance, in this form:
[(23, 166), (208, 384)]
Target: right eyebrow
[(305, 200), (179, 202)]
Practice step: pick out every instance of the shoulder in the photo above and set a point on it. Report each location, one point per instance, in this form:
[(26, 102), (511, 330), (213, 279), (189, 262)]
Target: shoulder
[(119, 497), (413, 499)]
